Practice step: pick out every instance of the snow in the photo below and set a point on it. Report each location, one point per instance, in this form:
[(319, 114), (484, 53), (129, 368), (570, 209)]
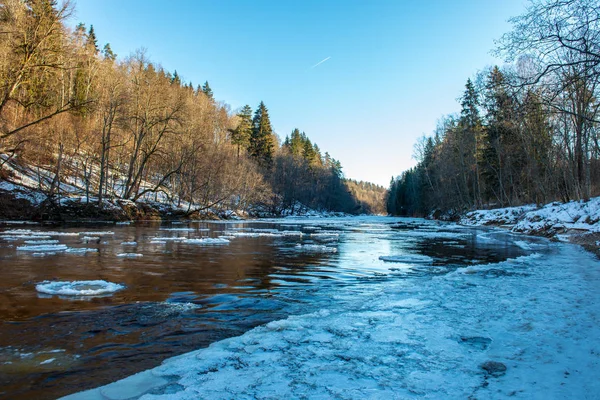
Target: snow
[(550, 219), (129, 255), (78, 288), (522, 328), (408, 259), (556, 216), (499, 216)]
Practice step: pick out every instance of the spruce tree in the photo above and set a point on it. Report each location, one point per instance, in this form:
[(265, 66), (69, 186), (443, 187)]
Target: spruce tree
[(175, 79), (108, 53), (92, 41), (207, 90), (240, 136), (262, 141)]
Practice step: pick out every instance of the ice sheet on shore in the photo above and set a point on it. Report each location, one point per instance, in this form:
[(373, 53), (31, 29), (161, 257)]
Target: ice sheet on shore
[(536, 316), (78, 288)]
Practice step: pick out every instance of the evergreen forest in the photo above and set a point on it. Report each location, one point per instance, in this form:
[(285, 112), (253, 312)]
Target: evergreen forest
[(527, 132)]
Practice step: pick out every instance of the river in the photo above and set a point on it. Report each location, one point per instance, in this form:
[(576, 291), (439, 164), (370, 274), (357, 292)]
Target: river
[(184, 286)]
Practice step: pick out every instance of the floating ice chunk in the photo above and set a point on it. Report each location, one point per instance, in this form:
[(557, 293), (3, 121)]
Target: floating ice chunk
[(325, 234), (129, 255), (129, 243), (81, 250), (185, 229), (41, 242), (158, 242), (317, 248), (48, 361), (124, 223), (44, 254), (78, 288), (99, 233), (206, 241), (90, 238), (37, 234), (43, 247), (408, 259), (169, 238), (266, 233)]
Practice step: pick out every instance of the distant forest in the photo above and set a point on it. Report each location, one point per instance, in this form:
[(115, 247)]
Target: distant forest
[(527, 132), (128, 128)]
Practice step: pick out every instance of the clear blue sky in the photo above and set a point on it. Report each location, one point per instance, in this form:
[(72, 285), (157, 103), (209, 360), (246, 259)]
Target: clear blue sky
[(395, 66)]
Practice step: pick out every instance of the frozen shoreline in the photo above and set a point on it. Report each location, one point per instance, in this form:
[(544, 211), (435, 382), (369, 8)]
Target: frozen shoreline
[(537, 315)]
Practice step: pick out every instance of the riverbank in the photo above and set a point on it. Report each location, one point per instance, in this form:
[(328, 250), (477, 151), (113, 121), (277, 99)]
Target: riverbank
[(576, 221), (19, 203)]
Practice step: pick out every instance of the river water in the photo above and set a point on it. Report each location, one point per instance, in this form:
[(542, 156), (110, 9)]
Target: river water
[(183, 292)]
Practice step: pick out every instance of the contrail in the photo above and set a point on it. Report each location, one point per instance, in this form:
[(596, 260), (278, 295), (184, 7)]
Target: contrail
[(320, 62)]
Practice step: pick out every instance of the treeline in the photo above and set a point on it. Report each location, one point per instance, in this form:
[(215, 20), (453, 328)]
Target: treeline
[(130, 129), (526, 133)]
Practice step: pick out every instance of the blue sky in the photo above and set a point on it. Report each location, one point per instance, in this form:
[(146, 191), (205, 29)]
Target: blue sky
[(395, 67)]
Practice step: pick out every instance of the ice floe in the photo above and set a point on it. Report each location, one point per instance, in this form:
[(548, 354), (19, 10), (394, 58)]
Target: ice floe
[(408, 259), (129, 255), (206, 241), (37, 242), (81, 250), (129, 243), (316, 248), (43, 247), (78, 288)]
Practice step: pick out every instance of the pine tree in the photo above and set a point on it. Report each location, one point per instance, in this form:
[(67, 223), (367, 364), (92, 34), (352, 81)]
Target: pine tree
[(262, 141)]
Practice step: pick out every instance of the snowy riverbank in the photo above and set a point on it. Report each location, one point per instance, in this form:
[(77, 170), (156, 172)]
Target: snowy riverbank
[(548, 220), (575, 221)]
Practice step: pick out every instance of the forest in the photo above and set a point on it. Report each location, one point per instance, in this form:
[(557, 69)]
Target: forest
[(527, 132), (125, 128)]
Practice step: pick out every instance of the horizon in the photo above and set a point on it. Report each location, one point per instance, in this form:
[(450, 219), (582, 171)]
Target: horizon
[(351, 77)]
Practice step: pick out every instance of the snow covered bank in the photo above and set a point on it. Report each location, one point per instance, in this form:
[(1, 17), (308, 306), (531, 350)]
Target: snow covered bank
[(548, 220), (523, 328)]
